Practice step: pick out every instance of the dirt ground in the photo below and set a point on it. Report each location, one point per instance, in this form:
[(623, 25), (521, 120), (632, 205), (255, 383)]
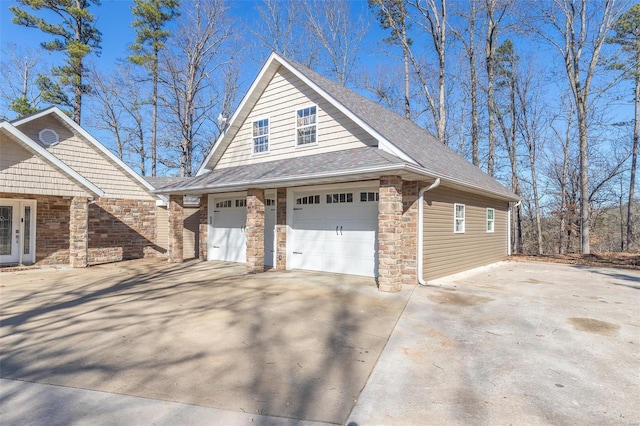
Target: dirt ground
[(605, 260)]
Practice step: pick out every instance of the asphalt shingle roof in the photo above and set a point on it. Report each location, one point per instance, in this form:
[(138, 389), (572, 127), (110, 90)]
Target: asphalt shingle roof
[(355, 159), (436, 158), (431, 155)]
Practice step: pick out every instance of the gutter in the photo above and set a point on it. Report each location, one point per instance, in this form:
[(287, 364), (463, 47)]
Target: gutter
[(294, 181), (434, 185)]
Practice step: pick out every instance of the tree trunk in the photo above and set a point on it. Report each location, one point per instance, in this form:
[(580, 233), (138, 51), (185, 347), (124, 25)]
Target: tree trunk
[(634, 159), (405, 62), (585, 224), (154, 112), (489, 60)]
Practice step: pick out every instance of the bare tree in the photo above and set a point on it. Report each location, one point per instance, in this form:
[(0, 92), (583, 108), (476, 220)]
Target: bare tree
[(190, 71), (331, 22), (580, 48), (469, 44), (281, 29), (121, 108)]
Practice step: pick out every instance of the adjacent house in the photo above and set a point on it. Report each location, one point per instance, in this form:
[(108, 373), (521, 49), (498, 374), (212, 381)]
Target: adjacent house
[(310, 175), (66, 199)]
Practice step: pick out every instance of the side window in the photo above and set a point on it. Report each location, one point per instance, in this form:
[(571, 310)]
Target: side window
[(490, 219), (306, 126), (261, 136), (459, 213)]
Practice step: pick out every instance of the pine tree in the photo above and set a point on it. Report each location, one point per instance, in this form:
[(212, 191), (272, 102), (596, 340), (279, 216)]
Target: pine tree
[(74, 34), (150, 23)]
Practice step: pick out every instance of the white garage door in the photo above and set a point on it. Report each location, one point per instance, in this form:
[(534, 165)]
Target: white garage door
[(227, 239), (335, 231)]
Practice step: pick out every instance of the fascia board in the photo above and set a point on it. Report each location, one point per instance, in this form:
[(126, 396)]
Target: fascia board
[(52, 160)]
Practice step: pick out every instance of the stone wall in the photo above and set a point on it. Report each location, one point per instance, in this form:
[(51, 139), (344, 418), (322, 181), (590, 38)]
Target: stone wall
[(281, 229), (255, 230), (409, 247), (121, 229), (390, 264)]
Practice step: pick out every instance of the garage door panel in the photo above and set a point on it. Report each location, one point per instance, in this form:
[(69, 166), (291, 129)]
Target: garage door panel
[(227, 238), (335, 237)]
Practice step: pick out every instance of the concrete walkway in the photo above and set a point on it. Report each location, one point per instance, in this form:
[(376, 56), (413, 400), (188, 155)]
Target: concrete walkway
[(34, 404), (516, 343)]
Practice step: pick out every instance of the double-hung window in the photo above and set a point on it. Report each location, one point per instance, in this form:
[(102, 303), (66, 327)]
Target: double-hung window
[(261, 136), (458, 226), (490, 219), (306, 126)]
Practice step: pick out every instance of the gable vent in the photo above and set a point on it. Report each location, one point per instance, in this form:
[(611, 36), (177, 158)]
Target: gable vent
[(48, 137)]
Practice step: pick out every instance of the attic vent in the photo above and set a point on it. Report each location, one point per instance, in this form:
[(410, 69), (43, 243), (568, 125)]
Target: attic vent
[(48, 137)]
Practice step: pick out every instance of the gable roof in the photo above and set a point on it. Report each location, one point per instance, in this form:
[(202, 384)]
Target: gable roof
[(50, 159), (395, 134), (103, 150)]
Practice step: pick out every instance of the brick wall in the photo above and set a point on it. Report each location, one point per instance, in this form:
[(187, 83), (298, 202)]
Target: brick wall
[(52, 227), (121, 229)]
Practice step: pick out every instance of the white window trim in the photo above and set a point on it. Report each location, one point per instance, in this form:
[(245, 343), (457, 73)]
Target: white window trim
[(493, 221), (253, 138), (455, 218), (295, 123)]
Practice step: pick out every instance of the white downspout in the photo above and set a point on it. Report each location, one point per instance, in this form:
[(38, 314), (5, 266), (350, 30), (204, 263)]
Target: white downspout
[(435, 184)]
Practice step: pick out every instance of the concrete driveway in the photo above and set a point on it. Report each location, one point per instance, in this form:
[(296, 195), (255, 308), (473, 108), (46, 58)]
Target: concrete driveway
[(516, 343), (294, 345)]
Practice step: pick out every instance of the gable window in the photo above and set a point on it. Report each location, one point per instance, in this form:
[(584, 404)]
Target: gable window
[(48, 137), (306, 126), (346, 197), (309, 199), (490, 219), (261, 136), (458, 226), (368, 196)]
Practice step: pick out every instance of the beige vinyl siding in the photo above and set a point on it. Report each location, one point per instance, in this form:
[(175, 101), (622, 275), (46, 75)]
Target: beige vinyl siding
[(21, 172), (191, 227), (162, 228), (446, 252), (190, 233), (284, 95), (85, 159)]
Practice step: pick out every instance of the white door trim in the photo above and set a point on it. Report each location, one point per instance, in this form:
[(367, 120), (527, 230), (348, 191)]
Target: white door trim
[(18, 214)]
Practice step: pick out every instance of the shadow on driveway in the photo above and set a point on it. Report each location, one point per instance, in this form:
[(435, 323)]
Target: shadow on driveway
[(291, 344)]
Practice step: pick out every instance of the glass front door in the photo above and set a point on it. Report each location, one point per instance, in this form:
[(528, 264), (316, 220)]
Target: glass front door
[(17, 228)]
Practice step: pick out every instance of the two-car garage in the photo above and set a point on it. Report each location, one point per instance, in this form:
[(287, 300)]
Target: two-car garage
[(328, 230)]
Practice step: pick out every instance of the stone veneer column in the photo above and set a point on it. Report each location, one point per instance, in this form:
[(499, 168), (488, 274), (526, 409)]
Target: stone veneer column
[(78, 232), (176, 229), (409, 232), (390, 234), (255, 230), (203, 227), (281, 229)]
